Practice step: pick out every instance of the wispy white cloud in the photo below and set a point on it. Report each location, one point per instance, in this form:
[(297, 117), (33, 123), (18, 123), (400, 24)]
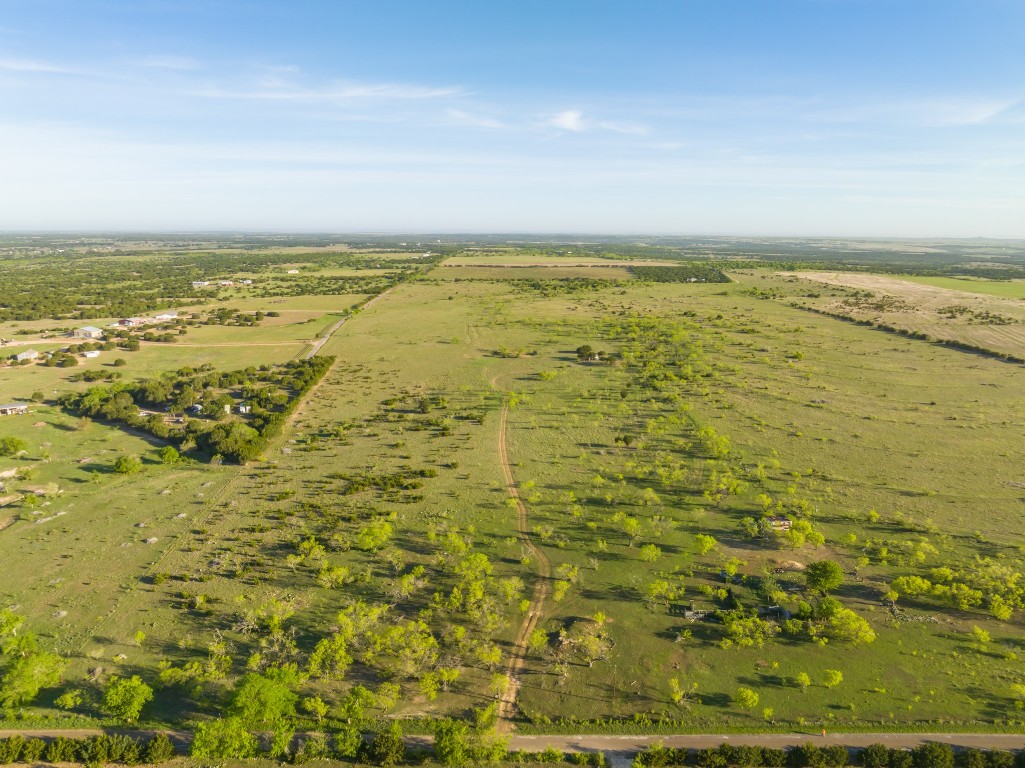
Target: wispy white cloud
[(951, 110), (181, 63), (41, 67), (569, 120), (67, 176), (480, 121), (975, 112), (634, 129), (283, 90), (573, 120)]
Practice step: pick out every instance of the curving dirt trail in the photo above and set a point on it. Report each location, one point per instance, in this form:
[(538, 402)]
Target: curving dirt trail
[(507, 703)]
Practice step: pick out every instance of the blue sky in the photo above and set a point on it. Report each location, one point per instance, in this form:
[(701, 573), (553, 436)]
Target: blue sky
[(761, 117)]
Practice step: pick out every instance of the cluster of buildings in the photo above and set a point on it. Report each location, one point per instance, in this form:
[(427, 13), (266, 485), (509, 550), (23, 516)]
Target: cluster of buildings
[(138, 322), (197, 284), (33, 354), (92, 333)]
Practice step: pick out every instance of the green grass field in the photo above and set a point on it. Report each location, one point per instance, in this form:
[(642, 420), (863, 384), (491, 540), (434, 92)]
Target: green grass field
[(900, 454), (1011, 289), (532, 272), (567, 258)]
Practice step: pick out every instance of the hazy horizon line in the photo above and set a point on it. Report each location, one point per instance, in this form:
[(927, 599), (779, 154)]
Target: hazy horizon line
[(495, 233)]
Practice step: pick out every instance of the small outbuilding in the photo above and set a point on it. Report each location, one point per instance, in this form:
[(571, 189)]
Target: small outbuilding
[(91, 353), (28, 354), (13, 409)]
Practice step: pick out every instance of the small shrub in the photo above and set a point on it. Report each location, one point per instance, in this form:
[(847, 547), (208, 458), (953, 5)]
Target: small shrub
[(835, 756), (10, 749), (739, 755), (875, 756), (12, 446), (61, 750), (169, 455), (901, 758), (933, 755), (549, 755), (124, 750), (225, 739), (998, 758), (807, 755), (388, 747), (94, 751), (313, 748), (127, 465), (348, 742), (710, 757), (970, 758), (33, 750), (69, 700), (159, 749)]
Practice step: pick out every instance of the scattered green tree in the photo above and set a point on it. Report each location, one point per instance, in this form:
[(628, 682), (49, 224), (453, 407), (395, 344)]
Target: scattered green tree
[(124, 698)]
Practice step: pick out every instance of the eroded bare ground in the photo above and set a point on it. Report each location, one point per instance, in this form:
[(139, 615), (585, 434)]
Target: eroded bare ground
[(990, 322)]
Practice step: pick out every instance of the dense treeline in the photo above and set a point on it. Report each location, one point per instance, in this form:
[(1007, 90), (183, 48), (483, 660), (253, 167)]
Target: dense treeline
[(561, 286), (810, 755), (268, 392), (94, 750), (317, 285), (79, 286), (680, 273), (456, 743), (1006, 258)]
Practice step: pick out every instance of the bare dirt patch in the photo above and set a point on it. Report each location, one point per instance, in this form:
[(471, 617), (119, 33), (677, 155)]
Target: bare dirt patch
[(989, 322)]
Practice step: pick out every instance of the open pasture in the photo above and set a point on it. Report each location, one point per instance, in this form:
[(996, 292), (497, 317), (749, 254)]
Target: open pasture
[(651, 430), (527, 259), (73, 555), (845, 425), (308, 303), (1011, 289), (533, 272)]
